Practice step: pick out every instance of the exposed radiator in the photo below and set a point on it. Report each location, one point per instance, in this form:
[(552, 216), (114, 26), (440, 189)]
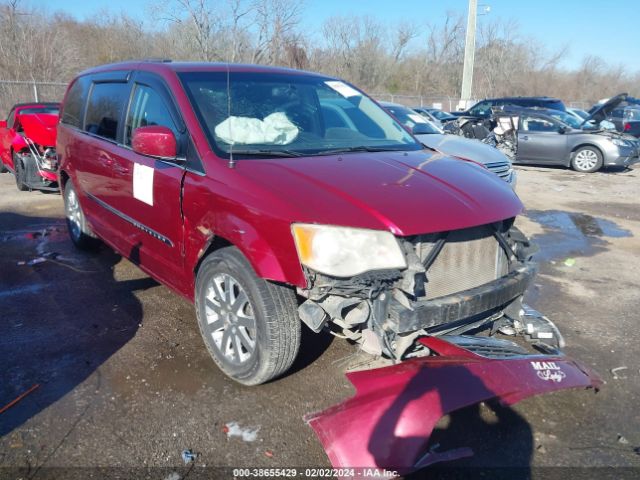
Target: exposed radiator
[(469, 258)]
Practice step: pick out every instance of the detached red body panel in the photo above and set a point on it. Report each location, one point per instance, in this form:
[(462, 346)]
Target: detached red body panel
[(388, 422)]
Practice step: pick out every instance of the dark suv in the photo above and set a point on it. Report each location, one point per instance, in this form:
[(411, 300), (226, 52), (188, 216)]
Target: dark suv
[(483, 109)]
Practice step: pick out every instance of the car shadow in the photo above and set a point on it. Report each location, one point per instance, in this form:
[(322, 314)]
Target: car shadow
[(64, 313), (312, 346)]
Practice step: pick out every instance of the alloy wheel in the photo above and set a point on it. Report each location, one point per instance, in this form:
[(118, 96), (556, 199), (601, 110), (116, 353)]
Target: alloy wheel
[(586, 159), (230, 319), (74, 214)]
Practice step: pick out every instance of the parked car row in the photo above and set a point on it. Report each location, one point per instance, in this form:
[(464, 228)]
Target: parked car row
[(541, 130)]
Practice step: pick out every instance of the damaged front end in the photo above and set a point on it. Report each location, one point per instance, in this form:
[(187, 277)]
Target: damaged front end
[(457, 282), (36, 151), (447, 331)]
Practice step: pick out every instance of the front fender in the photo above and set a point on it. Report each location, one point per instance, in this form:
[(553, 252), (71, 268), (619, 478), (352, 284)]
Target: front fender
[(265, 240), (18, 143)]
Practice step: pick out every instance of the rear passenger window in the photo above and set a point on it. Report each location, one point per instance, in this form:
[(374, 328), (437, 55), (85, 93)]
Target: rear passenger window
[(147, 108), (106, 103), (73, 109)]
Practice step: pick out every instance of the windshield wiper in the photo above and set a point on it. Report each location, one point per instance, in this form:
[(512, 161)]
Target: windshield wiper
[(267, 153), (360, 148)]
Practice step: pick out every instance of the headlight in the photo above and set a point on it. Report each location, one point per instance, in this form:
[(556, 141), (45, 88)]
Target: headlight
[(621, 143), (345, 252)]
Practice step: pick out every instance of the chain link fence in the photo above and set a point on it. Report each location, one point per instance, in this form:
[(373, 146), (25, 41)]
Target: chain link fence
[(443, 102), (15, 91), (448, 103)]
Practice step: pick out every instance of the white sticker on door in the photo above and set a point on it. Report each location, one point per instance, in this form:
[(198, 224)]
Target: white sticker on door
[(143, 183)]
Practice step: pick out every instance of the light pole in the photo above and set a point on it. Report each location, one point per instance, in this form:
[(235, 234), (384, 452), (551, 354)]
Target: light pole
[(469, 52)]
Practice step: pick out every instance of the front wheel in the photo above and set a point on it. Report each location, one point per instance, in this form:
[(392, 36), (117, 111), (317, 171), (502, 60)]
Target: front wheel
[(249, 325), (587, 160), (76, 222), (18, 171)]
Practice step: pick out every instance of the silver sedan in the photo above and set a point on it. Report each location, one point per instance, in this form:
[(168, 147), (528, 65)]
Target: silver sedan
[(554, 138)]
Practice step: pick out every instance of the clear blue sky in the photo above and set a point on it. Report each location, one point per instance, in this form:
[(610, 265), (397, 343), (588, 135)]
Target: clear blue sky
[(606, 28)]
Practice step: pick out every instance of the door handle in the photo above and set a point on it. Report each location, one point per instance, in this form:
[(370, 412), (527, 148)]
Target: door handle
[(526, 137), (105, 158)]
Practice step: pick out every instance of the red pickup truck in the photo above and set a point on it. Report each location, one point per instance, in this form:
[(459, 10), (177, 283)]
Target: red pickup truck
[(28, 145)]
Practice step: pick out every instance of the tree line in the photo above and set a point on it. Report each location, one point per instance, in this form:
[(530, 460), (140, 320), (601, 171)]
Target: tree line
[(408, 57)]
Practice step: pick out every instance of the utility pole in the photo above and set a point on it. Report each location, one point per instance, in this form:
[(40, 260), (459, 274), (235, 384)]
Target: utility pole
[(469, 54)]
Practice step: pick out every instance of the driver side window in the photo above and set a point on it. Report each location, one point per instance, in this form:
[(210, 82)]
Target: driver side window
[(147, 108), (536, 124)]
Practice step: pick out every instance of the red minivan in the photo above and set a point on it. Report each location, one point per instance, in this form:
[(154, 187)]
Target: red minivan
[(271, 196)]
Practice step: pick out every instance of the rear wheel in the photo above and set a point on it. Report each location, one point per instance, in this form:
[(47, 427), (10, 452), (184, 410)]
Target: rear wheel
[(587, 160), (250, 326), (79, 231), (18, 170)]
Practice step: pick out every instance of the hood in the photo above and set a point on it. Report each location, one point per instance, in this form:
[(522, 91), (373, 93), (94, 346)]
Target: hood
[(465, 148), (406, 193), (40, 128), (601, 111)]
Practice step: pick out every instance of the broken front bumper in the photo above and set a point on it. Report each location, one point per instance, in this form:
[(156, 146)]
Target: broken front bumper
[(462, 305), (388, 422)]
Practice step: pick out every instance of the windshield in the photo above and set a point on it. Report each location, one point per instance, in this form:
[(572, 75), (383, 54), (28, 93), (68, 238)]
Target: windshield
[(272, 114), (440, 115), (580, 113), (567, 119), (411, 118), (30, 110)]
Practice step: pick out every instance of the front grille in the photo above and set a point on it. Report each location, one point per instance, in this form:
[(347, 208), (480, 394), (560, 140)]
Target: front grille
[(488, 346), (470, 257), (502, 169)]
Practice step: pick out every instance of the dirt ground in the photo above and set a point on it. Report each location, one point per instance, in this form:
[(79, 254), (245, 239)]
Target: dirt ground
[(125, 381)]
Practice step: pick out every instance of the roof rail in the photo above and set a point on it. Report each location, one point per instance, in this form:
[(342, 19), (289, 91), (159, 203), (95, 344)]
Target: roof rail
[(154, 60)]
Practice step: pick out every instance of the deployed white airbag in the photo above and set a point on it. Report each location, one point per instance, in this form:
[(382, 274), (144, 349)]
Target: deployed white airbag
[(275, 129)]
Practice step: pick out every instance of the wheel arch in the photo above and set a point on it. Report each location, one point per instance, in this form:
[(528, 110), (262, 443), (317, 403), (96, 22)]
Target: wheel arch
[(64, 177), (267, 260)]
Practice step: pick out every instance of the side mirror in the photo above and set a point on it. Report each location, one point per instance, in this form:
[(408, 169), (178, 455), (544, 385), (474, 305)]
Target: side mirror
[(3, 124), (154, 141), (562, 129), (421, 129)]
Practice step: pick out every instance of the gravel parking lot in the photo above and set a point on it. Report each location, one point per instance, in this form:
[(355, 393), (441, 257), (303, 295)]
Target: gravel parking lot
[(125, 381)]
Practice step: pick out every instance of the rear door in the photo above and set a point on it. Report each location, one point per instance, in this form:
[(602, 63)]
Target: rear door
[(539, 141), (101, 178)]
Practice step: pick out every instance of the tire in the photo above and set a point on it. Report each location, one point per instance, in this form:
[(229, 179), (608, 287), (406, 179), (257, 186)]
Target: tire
[(79, 231), (266, 315), (587, 160), (19, 173)]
